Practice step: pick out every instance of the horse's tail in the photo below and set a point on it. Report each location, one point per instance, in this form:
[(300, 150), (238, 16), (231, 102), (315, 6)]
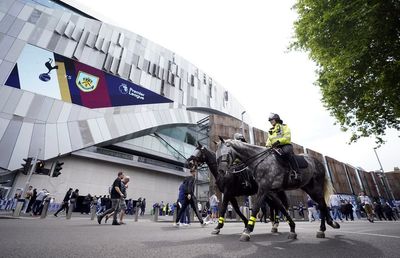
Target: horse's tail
[(328, 188)]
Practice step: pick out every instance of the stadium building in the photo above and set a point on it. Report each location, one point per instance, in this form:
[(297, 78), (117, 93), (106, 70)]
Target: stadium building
[(100, 99)]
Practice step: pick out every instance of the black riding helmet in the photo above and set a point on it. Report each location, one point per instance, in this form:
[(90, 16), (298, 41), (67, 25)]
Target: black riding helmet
[(275, 117)]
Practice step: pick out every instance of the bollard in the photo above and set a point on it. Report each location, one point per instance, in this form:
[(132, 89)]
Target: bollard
[(155, 215), (70, 208), (92, 212), (18, 207), (137, 214), (45, 207)]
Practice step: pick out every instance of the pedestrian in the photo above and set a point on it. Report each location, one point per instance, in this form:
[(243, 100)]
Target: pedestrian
[(73, 199), (38, 205), (65, 202), (230, 209), (122, 203), (143, 207), (301, 210), (379, 211), (388, 210), (366, 205), (348, 207), (190, 198), (184, 219), (263, 217), (334, 201), (27, 197), (312, 211), (87, 200), (116, 195), (214, 208), (31, 201)]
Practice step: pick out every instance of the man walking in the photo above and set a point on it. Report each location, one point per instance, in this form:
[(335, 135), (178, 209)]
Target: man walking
[(189, 199), (116, 196), (65, 203)]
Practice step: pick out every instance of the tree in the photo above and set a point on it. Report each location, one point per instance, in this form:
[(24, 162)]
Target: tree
[(356, 46)]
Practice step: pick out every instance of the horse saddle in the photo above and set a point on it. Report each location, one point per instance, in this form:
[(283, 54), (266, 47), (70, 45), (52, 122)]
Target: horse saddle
[(301, 161)]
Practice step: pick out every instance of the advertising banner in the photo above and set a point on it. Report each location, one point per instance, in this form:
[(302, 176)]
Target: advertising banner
[(46, 73)]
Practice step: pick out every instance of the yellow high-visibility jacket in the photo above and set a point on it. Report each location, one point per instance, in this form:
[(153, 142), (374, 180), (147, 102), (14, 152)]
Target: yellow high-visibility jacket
[(281, 133)]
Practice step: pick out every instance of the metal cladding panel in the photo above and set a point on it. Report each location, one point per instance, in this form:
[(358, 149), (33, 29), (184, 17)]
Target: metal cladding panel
[(12, 102), (298, 149), (339, 177), (64, 142), (371, 184), (51, 141), (8, 141), (16, 8), (5, 93), (26, 31), (24, 104), (353, 179), (37, 140), (25, 12), (95, 130), (16, 28), (380, 186), (3, 126), (55, 111), (75, 136), (365, 183), (84, 129), (393, 180)]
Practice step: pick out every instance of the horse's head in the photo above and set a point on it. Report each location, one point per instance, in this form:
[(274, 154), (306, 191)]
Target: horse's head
[(225, 155), (197, 156)]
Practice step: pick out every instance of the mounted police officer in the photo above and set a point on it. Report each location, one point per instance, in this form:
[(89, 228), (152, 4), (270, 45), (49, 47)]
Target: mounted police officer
[(279, 138)]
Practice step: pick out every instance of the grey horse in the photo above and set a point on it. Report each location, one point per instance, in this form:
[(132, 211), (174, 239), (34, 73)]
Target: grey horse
[(273, 176)]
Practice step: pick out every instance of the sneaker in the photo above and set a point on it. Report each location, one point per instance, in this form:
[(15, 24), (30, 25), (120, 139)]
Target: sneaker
[(115, 223), (55, 215), (176, 224), (122, 223), (99, 218)]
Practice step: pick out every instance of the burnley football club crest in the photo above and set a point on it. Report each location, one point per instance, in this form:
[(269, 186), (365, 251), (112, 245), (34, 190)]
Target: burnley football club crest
[(86, 82)]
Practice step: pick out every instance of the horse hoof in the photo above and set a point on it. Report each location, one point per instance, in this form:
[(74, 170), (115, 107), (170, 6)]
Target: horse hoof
[(274, 230), (292, 235), (244, 237), (320, 234), (215, 232)]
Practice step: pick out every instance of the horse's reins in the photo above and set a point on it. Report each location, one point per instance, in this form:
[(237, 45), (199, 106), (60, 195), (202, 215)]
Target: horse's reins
[(246, 162)]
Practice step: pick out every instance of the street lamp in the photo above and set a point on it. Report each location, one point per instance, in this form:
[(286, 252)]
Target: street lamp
[(243, 123), (383, 177)]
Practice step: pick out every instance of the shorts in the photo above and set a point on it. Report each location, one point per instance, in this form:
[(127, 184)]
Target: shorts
[(214, 209), (122, 205)]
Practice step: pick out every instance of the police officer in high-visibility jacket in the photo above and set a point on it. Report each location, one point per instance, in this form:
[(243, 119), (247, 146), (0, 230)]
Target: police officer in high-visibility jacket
[(279, 137)]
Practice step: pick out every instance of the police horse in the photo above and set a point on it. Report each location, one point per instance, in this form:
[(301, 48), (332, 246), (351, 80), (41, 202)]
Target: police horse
[(271, 174), (233, 185)]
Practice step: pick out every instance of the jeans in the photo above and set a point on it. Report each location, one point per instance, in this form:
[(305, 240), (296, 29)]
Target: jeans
[(114, 207), (336, 213)]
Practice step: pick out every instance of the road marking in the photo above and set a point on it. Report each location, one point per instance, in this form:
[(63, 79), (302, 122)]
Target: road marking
[(370, 234), (279, 248)]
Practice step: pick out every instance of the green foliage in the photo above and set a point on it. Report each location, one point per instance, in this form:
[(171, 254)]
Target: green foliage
[(356, 45)]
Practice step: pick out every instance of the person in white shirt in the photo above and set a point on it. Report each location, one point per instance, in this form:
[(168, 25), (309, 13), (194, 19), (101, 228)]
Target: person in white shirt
[(214, 207), (367, 206)]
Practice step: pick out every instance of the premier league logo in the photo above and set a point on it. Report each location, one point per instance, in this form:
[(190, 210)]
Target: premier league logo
[(123, 88), (46, 76)]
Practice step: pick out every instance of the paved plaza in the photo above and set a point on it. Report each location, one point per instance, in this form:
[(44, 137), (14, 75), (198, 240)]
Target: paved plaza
[(81, 237)]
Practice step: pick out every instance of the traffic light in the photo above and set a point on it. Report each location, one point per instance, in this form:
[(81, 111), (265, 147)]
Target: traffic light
[(57, 168), (26, 166), (40, 169)]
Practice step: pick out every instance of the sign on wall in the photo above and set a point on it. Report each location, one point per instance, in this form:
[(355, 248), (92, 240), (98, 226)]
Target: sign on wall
[(46, 73)]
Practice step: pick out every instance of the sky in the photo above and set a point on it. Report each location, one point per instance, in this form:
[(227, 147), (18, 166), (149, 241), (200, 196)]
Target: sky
[(243, 45)]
